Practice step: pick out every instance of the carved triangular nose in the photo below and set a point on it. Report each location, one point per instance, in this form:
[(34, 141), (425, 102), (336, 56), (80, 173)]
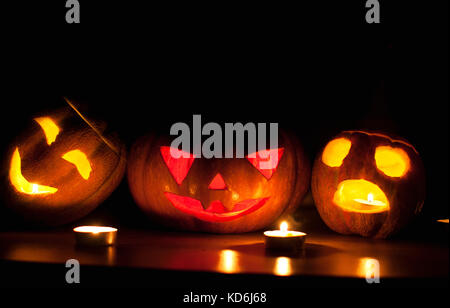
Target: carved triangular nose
[(217, 182)]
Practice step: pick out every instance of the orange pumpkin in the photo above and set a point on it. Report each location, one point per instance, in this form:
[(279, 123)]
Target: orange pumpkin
[(61, 168), (227, 195), (368, 183)]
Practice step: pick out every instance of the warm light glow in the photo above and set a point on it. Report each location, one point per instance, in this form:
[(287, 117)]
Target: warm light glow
[(335, 152), (283, 232), (393, 162), (51, 130), (284, 226), (94, 229), (178, 162), (20, 183), (368, 268), (216, 206), (228, 261), (283, 266), (217, 182), (80, 161), (370, 201), (266, 161), (215, 212), (360, 196), (235, 196), (445, 221)]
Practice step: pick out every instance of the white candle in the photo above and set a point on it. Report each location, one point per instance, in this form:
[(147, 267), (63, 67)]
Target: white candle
[(284, 239), (370, 201), (95, 235), (283, 232)]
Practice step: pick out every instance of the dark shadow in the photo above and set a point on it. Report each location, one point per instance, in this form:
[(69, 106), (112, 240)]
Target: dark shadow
[(316, 250), (309, 251)]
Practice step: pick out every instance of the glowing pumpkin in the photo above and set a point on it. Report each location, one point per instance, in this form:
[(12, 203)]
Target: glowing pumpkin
[(368, 183), (226, 195), (61, 168)]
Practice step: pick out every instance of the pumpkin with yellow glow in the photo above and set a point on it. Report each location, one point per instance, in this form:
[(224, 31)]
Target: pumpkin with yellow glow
[(368, 183), (61, 168)]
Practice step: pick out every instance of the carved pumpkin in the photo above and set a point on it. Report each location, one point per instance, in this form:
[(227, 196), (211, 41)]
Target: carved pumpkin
[(226, 195), (61, 168), (368, 183)]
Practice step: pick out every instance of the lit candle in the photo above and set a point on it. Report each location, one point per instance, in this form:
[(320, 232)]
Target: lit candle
[(370, 201), (284, 239), (95, 235)]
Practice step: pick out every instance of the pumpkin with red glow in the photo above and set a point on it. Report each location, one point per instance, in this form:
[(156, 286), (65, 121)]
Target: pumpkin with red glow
[(226, 195), (61, 168), (368, 183)]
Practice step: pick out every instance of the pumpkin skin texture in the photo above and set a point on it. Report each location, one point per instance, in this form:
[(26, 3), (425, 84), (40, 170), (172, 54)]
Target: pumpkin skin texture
[(372, 162), (151, 183), (77, 192)]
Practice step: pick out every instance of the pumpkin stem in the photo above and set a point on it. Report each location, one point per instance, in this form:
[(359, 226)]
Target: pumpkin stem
[(109, 144)]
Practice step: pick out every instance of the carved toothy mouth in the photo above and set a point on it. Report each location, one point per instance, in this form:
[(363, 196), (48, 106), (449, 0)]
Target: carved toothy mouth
[(216, 212)]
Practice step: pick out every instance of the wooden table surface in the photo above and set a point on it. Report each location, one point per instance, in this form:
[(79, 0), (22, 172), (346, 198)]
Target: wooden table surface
[(324, 255)]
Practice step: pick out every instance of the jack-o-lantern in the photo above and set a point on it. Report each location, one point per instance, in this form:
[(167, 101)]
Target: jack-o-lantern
[(368, 183), (226, 195), (61, 168)]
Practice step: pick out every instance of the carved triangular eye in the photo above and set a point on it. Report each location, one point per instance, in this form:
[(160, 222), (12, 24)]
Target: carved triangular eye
[(178, 162), (266, 161)]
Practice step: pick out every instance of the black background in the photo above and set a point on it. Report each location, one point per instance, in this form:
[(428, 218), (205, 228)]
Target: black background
[(316, 67)]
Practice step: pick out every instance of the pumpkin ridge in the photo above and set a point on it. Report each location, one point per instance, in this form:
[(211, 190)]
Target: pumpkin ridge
[(383, 136), (116, 174)]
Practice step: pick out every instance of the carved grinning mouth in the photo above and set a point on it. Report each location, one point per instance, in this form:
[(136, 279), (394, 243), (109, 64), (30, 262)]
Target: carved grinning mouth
[(216, 212)]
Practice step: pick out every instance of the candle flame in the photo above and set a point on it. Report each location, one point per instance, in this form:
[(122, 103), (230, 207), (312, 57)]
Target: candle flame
[(284, 226), (370, 197)]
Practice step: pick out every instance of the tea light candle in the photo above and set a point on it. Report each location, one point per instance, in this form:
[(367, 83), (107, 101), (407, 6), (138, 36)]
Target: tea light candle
[(95, 235), (370, 201), (283, 239)]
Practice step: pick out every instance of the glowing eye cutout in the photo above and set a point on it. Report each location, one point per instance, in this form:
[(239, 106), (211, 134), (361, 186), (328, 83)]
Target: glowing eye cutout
[(266, 161), (335, 152), (178, 162), (51, 130), (393, 162), (80, 161), (21, 184)]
